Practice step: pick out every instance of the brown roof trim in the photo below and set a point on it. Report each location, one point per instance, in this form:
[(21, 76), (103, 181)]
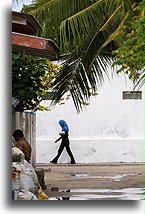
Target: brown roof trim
[(35, 46), (29, 17)]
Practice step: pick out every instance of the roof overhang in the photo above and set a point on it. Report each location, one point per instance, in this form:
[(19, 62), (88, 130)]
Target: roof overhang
[(34, 46), (24, 23)]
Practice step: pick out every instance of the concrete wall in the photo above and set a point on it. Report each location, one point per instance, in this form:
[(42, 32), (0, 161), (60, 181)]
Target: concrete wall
[(109, 129), (93, 150), (27, 123)]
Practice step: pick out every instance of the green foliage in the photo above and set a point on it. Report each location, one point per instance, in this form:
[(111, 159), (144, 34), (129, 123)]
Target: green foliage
[(130, 56), (51, 13), (31, 80), (88, 32)]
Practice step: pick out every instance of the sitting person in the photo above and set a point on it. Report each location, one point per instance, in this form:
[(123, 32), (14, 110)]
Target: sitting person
[(22, 144)]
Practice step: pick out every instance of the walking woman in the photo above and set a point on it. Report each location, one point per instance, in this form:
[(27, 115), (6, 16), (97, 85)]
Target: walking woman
[(64, 142)]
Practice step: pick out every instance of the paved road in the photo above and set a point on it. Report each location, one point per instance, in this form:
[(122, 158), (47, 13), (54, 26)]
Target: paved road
[(103, 181)]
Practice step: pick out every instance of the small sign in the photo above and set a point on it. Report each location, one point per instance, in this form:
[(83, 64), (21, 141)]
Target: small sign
[(132, 95)]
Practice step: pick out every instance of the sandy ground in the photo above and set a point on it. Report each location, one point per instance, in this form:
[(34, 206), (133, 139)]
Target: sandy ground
[(93, 181)]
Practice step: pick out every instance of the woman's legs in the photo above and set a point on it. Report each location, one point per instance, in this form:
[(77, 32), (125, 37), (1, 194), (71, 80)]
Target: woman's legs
[(70, 154), (59, 153)]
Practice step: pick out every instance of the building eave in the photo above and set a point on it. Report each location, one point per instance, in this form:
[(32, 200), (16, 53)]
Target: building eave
[(34, 46)]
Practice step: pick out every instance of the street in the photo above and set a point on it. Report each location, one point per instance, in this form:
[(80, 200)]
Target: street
[(101, 181)]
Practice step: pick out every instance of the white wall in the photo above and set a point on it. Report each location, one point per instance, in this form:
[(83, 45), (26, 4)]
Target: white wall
[(109, 129)]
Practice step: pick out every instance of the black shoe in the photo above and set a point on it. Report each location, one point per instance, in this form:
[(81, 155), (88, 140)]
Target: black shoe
[(53, 162), (72, 162)]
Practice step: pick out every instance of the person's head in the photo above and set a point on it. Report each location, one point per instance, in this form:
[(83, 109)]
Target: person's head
[(18, 134), (64, 125)]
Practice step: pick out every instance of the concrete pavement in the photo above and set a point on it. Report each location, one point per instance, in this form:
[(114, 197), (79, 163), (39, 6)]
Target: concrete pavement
[(101, 181)]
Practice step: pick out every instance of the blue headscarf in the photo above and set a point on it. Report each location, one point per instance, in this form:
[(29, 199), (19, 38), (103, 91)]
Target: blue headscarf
[(64, 125)]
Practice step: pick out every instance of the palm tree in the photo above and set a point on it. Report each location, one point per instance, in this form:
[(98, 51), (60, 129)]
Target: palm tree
[(88, 31)]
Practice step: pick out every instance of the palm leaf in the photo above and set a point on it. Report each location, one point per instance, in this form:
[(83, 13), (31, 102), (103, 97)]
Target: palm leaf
[(87, 66), (76, 28), (78, 25), (100, 39), (50, 14), (141, 81), (55, 11), (73, 78), (106, 34), (37, 6), (88, 30)]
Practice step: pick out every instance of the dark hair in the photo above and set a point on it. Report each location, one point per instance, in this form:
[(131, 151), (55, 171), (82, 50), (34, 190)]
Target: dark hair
[(18, 133)]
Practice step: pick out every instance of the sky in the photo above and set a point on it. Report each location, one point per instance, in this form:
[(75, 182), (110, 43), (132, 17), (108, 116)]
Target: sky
[(18, 6)]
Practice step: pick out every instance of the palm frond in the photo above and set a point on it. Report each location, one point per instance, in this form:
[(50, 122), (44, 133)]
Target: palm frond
[(56, 10), (75, 79), (105, 36), (127, 6), (50, 14), (37, 6), (64, 5), (88, 30), (76, 28), (101, 39), (87, 65), (138, 84)]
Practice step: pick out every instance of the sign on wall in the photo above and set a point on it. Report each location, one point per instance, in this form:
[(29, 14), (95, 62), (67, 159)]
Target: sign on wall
[(134, 95)]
